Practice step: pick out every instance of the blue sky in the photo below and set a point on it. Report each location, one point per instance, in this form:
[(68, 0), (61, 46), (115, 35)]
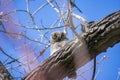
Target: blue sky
[(92, 10)]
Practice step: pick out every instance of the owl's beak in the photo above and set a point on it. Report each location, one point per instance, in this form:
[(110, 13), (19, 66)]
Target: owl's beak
[(59, 38)]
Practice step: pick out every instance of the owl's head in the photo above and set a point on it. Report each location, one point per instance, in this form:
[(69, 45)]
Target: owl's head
[(58, 36)]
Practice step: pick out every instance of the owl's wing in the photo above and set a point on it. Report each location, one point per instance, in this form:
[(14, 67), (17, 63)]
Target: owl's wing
[(58, 45), (64, 42)]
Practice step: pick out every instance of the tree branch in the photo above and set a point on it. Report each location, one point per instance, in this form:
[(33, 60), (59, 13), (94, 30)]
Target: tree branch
[(101, 35)]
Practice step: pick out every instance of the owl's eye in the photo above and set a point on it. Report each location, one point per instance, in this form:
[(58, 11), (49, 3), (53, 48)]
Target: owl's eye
[(63, 35), (54, 36)]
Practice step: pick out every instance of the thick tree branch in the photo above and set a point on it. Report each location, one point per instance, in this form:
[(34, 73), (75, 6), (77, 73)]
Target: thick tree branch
[(102, 34)]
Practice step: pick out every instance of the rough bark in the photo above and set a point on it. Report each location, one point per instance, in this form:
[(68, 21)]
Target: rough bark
[(4, 74), (102, 34)]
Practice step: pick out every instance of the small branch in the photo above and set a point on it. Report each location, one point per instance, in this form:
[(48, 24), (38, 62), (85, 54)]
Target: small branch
[(21, 34), (70, 22), (40, 7), (41, 53), (60, 14), (79, 17), (55, 27), (9, 56), (53, 7)]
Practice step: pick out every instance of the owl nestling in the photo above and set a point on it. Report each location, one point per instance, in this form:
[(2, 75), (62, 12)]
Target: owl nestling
[(58, 40)]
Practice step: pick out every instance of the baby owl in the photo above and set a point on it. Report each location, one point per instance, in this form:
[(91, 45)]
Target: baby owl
[(58, 40)]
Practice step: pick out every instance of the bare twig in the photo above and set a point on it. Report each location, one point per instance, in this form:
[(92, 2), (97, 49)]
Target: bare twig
[(9, 56), (21, 34), (41, 7), (70, 21), (41, 53), (101, 60), (45, 28), (79, 17), (60, 14)]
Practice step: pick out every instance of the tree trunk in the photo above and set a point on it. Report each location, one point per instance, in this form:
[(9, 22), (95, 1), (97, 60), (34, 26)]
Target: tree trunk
[(4, 74), (101, 35)]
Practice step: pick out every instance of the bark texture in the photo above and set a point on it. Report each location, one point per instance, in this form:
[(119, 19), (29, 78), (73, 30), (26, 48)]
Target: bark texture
[(102, 34), (4, 74)]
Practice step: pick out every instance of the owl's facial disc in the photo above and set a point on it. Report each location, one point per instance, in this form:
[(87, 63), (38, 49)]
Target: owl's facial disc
[(58, 36)]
